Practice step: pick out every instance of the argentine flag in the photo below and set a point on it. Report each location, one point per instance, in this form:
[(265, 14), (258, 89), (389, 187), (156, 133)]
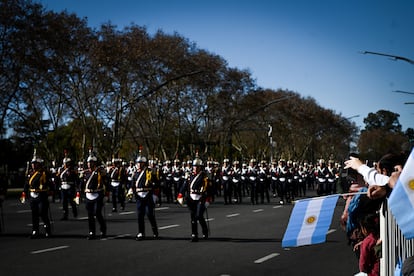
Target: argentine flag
[(310, 221), (401, 200)]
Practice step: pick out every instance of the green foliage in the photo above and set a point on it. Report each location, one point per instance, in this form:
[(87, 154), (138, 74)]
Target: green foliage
[(382, 134), (70, 87)]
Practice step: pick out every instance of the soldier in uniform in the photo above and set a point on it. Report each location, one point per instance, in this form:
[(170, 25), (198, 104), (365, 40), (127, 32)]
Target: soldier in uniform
[(143, 188), (156, 181), (226, 183), (263, 182), (236, 180), (273, 177), (197, 192), (130, 173), (282, 173), (94, 179), (167, 180), (178, 176), (69, 184), (244, 179), (37, 188), (118, 179), (331, 177), (252, 178), (303, 175), (322, 174)]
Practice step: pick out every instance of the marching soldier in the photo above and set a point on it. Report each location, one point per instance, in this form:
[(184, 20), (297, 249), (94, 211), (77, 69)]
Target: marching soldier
[(283, 174), (69, 183), (273, 177), (118, 179), (178, 176), (196, 190), (262, 183), (226, 183), (37, 188), (236, 180), (156, 181), (94, 179), (252, 178), (332, 177), (130, 173), (303, 175), (167, 179), (143, 188), (290, 186), (244, 179), (322, 174)]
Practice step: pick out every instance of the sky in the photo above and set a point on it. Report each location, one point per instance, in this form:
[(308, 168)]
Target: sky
[(314, 48)]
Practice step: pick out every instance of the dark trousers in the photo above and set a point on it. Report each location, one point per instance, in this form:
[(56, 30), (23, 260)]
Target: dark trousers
[(118, 196), (146, 206), (227, 191), (94, 208), (67, 198), (253, 192), (197, 209), (40, 208)]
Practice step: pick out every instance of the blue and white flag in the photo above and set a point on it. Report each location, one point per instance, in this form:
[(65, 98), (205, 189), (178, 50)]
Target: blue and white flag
[(401, 200), (310, 221)]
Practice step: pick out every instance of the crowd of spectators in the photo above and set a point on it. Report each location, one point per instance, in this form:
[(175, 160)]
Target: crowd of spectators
[(370, 185)]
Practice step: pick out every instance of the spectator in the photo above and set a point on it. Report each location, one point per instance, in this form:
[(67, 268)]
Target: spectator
[(368, 247)]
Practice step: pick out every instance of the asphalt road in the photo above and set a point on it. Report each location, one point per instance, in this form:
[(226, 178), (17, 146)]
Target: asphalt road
[(245, 240)]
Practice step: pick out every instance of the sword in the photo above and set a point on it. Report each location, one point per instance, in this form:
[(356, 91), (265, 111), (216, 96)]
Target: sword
[(51, 219), (208, 222)]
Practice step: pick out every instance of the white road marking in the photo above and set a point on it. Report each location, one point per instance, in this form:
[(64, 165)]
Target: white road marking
[(277, 206), (258, 210), (117, 237), (168, 226), (266, 258), (23, 211), (233, 215), (49, 249), (162, 208), (126, 213), (209, 219)]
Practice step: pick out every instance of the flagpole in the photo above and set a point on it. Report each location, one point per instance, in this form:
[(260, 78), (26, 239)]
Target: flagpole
[(345, 194)]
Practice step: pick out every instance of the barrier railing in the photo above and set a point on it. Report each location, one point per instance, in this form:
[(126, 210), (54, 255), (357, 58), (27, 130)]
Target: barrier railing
[(394, 245)]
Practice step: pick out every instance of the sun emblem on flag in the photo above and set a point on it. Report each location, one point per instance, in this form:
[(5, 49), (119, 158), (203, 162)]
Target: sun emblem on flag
[(311, 219), (411, 184)]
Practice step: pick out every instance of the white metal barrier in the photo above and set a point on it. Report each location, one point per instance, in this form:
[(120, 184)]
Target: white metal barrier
[(394, 245)]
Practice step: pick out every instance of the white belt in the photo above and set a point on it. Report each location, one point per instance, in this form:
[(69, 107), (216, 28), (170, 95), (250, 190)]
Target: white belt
[(322, 179), (92, 196), (34, 194), (282, 179), (225, 177), (235, 180), (195, 196), (274, 177), (176, 178), (331, 180), (252, 178), (66, 185), (142, 194), (115, 183)]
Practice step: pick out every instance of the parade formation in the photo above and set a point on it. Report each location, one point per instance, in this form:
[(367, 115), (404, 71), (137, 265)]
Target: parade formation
[(151, 182)]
